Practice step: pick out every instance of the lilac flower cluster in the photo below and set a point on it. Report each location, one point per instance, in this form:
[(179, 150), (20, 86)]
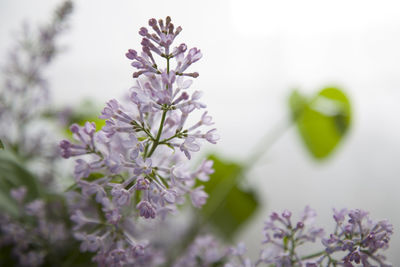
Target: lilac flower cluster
[(31, 236), (356, 240), (360, 238), (137, 164), (204, 251), (283, 236)]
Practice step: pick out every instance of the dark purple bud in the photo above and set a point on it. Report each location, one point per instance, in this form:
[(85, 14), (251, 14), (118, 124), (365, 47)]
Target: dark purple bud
[(300, 225), (65, 144), (178, 30), (182, 48), (185, 96), (137, 74), (194, 74), (145, 42), (274, 216), (143, 31), (74, 128), (167, 20), (131, 54), (286, 214), (170, 28), (152, 22), (146, 209), (161, 23)]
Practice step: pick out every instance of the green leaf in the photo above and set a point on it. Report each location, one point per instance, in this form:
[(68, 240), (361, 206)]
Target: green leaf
[(1, 144), (322, 120), (228, 206)]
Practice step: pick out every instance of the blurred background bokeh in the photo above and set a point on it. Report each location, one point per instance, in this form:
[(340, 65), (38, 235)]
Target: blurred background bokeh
[(254, 54)]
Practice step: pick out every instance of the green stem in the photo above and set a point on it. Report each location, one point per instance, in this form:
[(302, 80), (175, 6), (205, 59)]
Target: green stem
[(168, 65), (165, 141), (268, 141), (314, 255), (157, 140), (148, 133), (292, 247)]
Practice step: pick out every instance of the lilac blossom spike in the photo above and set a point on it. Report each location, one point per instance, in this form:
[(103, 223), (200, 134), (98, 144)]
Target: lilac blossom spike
[(139, 158), (359, 239)]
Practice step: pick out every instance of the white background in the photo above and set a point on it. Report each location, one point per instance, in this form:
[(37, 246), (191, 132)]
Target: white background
[(255, 52)]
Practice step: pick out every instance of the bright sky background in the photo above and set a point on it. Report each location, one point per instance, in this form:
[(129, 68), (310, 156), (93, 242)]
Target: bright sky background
[(254, 53)]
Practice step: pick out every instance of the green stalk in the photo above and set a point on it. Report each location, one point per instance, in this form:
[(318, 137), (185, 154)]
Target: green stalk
[(157, 140)]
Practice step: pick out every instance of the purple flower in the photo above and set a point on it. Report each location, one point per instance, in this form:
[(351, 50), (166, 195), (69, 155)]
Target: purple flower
[(205, 170), (211, 136), (356, 216), (19, 193), (113, 216), (89, 242), (89, 128), (134, 153), (35, 208), (89, 189), (142, 184), (188, 146), (121, 196), (198, 197), (82, 169), (80, 219), (146, 209), (117, 257), (143, 166), (69, 150), (339, 216)]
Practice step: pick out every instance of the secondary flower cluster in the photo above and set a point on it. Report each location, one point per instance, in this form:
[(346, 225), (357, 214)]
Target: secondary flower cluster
[(356, 240), (35, 231), (136, 165), (359, 237)]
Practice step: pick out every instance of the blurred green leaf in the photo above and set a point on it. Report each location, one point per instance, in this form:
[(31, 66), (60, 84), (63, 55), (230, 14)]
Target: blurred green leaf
[(85, 111), (322, 120), (229, 206), (1, 144), (12, 175)]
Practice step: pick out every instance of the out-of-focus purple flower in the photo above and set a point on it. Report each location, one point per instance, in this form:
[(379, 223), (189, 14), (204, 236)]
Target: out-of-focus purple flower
[(121, 196), (82, 169), (89, 242), (35, 208), (205, 170), (198, 197), (204, 251), (359, 240), (19, 193)]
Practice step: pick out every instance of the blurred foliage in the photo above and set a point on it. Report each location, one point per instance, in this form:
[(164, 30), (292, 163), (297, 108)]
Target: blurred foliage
[(1, 145), (13, 174), (86, 111), (229, 206), (322, 120)]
